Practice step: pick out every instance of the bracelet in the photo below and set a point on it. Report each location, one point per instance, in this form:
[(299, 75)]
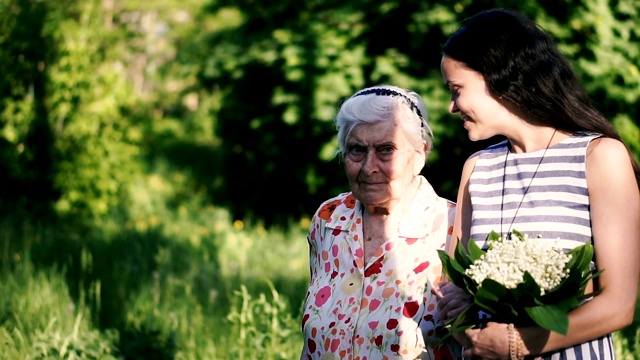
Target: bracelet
[(515, 343), (512, 349)]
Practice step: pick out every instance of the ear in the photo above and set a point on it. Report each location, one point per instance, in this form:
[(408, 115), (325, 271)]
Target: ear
[(420, 159)]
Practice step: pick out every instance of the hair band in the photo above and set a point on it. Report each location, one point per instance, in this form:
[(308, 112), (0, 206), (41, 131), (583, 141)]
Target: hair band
[(389, 92)]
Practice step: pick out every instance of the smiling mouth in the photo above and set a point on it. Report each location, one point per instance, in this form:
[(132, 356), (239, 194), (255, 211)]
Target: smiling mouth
[(372, 183)]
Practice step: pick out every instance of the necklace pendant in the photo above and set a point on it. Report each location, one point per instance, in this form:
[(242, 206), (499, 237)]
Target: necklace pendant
[(509, 235)]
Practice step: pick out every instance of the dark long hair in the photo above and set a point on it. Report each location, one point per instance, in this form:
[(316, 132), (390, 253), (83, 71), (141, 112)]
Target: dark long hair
[(523, 67)]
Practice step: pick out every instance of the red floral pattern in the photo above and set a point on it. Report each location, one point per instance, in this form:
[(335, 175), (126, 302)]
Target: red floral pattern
[(375, 268), (384, 309), (410, 309)]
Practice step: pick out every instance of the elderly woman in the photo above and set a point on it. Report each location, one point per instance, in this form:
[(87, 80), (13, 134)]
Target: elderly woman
[(373, 250)]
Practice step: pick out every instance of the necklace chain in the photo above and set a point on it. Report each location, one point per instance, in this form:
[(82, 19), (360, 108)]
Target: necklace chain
[(504, 178)]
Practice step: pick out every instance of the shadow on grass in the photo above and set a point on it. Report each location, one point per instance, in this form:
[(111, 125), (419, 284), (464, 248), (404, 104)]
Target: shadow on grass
[(106, 274)]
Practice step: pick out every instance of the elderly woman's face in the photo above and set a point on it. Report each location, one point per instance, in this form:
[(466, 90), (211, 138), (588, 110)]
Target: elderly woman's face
[(380, 162)]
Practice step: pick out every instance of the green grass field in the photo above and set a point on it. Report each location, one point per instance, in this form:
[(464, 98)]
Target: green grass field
[(149, 295)]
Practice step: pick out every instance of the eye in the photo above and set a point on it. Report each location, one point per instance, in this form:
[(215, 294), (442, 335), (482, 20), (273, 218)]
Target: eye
[(454, 93), (356, 152), (386, 152), (356, 149)]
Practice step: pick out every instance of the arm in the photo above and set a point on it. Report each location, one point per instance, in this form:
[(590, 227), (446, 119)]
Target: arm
[(313, 237), (462, 224), (452, 300), (615, 220)]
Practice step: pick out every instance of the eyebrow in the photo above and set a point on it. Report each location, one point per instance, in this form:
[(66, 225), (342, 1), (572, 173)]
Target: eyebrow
[(384, 143)]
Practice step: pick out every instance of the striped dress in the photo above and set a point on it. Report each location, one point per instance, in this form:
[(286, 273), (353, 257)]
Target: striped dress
[(556, 205)]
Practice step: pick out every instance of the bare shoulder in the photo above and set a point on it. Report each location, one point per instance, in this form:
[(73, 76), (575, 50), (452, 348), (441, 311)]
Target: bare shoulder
[(607, 144), (609, 163), (469, 165), (607, 153)]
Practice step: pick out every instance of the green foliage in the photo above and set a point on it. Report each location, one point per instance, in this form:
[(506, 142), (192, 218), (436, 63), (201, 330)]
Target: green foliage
[(283, 70), (26, 46), (95, 145), (163, 276), (629, 132), (627, 340), (293, 65), (167, 156), (97, 90), (41, 321), (610, 61), (263, 326)]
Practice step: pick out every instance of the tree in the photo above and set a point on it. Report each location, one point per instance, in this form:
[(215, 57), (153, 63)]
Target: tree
[(26, 165), (282, 70)]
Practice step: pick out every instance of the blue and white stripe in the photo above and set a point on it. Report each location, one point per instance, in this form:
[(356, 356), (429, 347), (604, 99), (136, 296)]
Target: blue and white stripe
[(555, 206)]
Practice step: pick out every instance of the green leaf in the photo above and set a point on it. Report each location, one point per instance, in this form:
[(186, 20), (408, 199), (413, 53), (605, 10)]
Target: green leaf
[(591, 294), (474, 251), (462, 256), (490, 297), (453, 270), (581, 257), (549, 317), (568, 304), (518, 234), (528, 288), (579, 276), (493, 236), (466, 320), (491, 290)]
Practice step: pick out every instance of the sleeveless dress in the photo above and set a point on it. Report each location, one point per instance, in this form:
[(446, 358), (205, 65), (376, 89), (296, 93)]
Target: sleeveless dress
[(556, 205)]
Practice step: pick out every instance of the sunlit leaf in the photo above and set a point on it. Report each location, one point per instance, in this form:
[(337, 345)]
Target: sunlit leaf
[(550, 317)]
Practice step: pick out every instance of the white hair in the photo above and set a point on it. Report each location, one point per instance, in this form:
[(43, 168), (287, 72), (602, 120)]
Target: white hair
[(381, 103)]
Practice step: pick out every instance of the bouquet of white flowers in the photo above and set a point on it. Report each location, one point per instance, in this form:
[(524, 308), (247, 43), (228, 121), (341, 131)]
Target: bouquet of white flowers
[(521, 281)]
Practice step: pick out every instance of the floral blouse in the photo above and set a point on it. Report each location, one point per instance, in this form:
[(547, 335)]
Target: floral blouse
[(384, 310)]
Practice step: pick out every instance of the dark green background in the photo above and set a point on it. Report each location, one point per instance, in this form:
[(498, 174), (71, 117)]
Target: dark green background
[(81, 120)]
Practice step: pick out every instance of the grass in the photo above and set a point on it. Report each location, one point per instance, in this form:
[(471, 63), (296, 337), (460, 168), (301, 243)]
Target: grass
[(140, 295), (159, 279)]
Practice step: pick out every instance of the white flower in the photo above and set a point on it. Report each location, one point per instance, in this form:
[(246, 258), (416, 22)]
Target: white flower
[(506, 261)]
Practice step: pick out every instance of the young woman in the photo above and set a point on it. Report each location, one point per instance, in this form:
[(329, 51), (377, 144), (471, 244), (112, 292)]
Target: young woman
[(562, 172)]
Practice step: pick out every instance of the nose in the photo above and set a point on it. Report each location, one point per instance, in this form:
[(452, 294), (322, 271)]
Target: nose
[(370, 163), (453, 107)]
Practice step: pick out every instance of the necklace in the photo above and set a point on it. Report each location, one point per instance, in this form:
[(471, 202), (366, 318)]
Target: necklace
[(504, 178)]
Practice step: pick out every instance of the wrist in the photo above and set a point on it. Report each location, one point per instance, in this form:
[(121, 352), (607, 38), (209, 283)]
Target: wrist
[(517, 349)]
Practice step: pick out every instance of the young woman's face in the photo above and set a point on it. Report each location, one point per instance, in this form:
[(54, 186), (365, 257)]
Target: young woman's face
[(483, 116), (380, 162)]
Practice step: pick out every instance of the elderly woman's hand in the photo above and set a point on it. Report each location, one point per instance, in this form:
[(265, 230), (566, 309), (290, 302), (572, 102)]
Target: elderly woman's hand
[(452, 300)]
